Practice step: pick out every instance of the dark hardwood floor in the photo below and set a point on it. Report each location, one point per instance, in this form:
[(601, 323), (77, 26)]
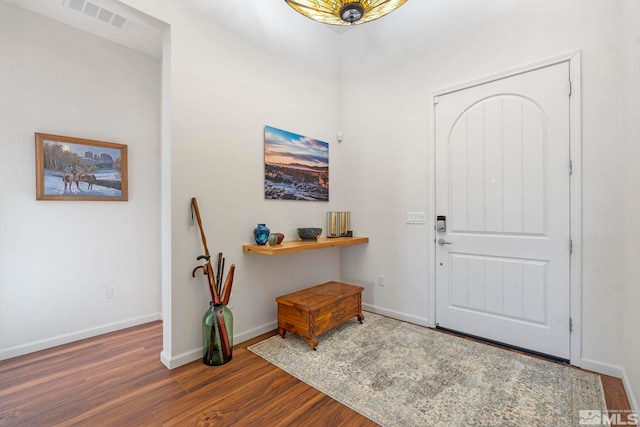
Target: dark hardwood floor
[(117, 380)]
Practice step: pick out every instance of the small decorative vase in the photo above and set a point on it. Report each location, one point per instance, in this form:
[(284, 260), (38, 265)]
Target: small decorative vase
[(280, 237), (217, 335), (261, 234), (273, 240)]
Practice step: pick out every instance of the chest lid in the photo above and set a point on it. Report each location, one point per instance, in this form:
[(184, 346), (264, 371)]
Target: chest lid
[(320, 295)]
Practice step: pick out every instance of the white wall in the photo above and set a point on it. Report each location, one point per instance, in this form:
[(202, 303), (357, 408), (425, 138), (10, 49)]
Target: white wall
[(386, 127), (232, 74), (57, 258), (631, 133)]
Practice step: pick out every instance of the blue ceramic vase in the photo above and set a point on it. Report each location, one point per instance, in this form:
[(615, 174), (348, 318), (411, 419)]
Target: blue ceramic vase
[(261, 234)]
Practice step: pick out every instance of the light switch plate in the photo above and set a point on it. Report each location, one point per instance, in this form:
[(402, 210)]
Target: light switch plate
[(416, 218)]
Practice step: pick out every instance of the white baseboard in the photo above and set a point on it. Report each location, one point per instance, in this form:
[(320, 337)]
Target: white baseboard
[(614, 371), (75, 336), (173, 362), (602, 368), (165, 358), (423, 321), (630, 394), (252, 333)]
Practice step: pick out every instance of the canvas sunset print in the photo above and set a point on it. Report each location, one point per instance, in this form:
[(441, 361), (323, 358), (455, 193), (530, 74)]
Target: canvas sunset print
[(296, 167)]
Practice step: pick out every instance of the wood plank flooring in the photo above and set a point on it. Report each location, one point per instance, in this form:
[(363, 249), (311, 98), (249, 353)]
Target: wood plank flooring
[(117, 380)]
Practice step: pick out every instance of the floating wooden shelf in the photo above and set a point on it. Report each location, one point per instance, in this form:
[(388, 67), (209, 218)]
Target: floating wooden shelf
[(292, 246)]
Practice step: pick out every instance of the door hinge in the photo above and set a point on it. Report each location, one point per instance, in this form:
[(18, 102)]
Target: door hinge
[(570, 324), (435, 100), (570, 167), (570, 246), (570, 91)]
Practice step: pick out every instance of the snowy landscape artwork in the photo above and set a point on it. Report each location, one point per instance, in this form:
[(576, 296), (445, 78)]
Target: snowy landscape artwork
[(296, 167), (80, 169)]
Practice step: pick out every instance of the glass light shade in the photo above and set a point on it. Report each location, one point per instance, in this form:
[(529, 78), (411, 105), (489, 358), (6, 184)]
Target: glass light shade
[(345, 12)]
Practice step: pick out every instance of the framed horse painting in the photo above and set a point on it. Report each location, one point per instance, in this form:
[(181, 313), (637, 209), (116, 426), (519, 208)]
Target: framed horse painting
[(80, 169)]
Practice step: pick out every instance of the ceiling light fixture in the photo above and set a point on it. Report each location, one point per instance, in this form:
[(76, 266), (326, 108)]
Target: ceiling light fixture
[(345, 12)]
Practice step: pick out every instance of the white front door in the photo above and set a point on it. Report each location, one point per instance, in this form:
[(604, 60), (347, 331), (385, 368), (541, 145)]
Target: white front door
[(502, 185)]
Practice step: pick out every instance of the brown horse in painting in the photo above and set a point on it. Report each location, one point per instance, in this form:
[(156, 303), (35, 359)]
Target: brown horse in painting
[(69, 179), (89, 178)]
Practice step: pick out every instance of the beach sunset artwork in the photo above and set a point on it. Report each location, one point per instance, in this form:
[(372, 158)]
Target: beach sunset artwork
[(296, 167)]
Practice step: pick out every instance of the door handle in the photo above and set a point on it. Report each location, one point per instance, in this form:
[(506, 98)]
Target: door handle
[(443, 242)]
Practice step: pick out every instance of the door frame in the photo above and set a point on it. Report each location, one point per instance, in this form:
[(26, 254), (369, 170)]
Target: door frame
[(575, 143)]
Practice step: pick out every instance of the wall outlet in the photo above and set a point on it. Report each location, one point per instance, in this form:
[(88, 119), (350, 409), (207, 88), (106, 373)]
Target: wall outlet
[(381, 280), (112, 291)]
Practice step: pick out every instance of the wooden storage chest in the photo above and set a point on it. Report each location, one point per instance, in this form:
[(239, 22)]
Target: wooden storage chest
[(313, 311)]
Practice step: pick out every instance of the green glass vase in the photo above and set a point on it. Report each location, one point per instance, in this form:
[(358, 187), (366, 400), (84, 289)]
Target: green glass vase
[(217, 335)]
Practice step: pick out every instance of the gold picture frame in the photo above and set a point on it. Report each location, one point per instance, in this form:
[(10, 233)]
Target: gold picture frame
[(75, 169)]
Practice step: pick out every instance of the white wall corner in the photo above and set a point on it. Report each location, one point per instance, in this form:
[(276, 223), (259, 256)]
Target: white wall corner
[(172, 362)]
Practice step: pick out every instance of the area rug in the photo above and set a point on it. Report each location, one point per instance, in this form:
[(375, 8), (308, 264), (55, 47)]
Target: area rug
[(400, 374)]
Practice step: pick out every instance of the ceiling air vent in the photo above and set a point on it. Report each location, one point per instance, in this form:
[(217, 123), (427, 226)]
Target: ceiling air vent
[(91, 9), (105, 15), (118, 21), (76, 5), (95, 11)]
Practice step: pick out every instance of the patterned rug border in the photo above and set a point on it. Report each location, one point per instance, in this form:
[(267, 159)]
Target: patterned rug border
[(383, 419), (335, 396)]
